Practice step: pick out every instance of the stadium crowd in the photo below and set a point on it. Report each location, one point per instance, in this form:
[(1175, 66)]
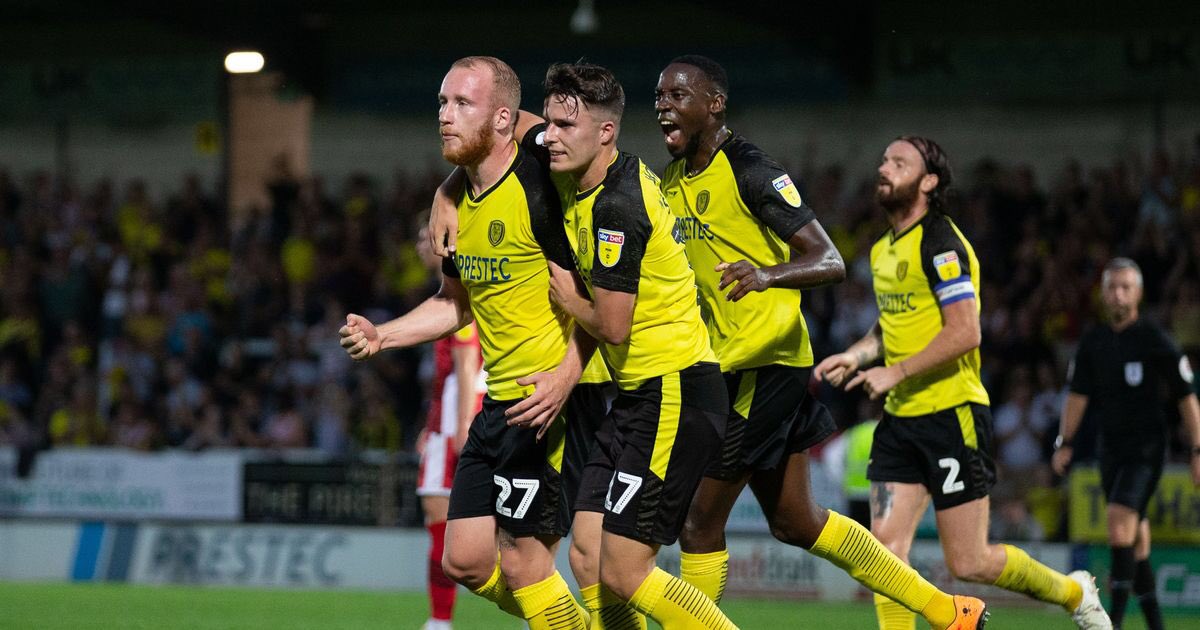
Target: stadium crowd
[(153, 321)]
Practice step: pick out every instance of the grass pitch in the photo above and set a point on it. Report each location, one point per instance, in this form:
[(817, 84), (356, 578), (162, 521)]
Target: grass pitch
[(122, 606)]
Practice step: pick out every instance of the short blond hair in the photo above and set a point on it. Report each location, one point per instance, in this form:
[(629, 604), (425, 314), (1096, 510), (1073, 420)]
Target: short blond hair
[(506, 87)]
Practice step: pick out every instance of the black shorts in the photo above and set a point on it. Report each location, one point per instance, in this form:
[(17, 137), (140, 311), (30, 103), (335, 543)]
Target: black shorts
[(949, 452), (1130, 483), (587, 420), (663, 436), (771, 416), (508, 473)]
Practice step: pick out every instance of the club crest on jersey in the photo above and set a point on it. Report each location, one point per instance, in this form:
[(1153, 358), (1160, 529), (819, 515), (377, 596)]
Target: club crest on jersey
[(901, 269), (702, 202), (496, 232), (1133, 373), (947, 265), (608, 246), (583, 242), (786, 189), (1185, 370)]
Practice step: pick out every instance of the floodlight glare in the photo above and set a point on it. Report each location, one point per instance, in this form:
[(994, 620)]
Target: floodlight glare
[(243, 62)]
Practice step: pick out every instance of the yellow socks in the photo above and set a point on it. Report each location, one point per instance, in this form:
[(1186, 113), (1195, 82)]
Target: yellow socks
[(706, 571), (1023, 574), (549, 605), (675, 604), (496, 591), (853, 549), (893, 616), (609, 612)]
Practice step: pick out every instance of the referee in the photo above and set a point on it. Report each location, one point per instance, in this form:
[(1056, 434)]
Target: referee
[(1124, 371)]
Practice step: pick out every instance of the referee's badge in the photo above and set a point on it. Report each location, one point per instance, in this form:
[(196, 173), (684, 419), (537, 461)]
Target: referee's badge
[(1133, 373), (786, 189), (901, 269), (608, 246)]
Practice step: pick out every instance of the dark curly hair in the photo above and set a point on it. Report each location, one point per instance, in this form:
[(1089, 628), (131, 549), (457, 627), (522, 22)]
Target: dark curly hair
[(587, 83), (936, 163)]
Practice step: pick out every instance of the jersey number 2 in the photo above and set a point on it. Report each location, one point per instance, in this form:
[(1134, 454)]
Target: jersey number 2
[(530, 486), (951, 484)]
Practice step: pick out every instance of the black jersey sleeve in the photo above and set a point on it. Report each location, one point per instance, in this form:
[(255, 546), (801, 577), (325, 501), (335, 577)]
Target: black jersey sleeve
[(532, 143), (622, 229), (1174, 366), (545, 208), (1081, 377), (945, 261), (767, 190)]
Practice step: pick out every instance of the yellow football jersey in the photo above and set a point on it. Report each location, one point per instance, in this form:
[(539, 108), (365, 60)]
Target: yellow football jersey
[(622, 238), (916, 273), (505, 237), (743, 206)]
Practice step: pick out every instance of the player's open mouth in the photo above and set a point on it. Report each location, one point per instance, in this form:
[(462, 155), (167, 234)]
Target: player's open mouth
[(671, 132)]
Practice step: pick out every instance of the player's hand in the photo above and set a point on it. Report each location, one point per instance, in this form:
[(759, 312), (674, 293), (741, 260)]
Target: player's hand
[(1060, 461), (877, 381), (562, 286), (360, 338), (748, 278), (443, 225), (538, 411), (835, 369)]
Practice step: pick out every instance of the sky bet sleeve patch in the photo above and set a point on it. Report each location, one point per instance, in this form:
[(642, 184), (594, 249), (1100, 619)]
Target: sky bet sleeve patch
[(947, 266), (786, 189), (608, 246)]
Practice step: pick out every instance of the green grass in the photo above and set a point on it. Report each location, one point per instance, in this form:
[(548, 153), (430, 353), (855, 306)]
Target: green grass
[(55, 606)]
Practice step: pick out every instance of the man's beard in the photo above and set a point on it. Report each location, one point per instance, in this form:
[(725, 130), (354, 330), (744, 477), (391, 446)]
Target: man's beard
[(898, 198), (471, 150)]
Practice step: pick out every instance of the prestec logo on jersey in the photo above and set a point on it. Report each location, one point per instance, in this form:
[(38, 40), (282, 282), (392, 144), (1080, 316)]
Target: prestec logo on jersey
[(496, 232), (702, 202)]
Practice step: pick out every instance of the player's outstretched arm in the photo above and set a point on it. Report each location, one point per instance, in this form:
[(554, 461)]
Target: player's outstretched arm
[(816, 262), (436, 317)]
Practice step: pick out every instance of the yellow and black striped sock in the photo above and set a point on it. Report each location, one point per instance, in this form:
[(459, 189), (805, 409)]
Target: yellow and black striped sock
[(495, 590), (853, 549), (549, 605), (893, 616), (706, 571), (1023, 574), (675, 604), (609, 612)]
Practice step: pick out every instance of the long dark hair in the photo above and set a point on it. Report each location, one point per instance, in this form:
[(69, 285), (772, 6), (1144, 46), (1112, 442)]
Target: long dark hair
[(936, 163)]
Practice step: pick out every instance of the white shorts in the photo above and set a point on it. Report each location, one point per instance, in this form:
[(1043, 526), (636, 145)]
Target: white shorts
[(437, 466)]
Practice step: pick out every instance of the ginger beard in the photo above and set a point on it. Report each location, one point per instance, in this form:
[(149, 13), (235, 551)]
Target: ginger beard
[(471, 148)]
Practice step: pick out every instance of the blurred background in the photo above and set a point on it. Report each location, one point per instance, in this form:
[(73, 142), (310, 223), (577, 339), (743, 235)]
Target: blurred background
[(180, 243)]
